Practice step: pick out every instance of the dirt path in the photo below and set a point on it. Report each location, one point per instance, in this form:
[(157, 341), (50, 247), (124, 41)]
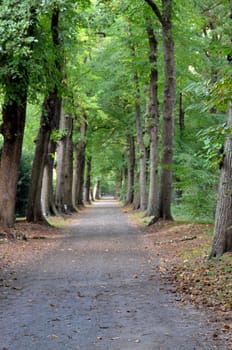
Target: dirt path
[(99, 290)]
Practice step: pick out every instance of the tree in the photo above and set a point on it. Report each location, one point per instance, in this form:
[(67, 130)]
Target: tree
[(222, 241), (131, 170), (49, 121), (64, 165), (79, 166), (17, 25), (165, 18), (141, 148), (152, 121)]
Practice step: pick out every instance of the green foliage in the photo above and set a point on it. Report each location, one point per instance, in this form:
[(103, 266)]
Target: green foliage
[(213, 139), (195, 186)]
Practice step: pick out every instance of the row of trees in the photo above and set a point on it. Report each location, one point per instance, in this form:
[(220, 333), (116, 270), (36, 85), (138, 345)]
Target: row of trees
[(111, 81)]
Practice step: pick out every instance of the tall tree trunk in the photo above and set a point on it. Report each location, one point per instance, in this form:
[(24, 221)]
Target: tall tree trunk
[(141, 148), (88, 180), (49, 122), (136, 199), (168, 113), (68, 166), (78, 180), (222, 241), (165, 18), (153, 127), (12, 129), (131, 170)]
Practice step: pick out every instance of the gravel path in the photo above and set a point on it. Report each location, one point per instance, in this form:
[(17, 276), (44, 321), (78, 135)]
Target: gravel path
[(99, 290)]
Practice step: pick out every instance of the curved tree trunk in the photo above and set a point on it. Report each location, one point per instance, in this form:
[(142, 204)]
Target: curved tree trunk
[(153, 128)]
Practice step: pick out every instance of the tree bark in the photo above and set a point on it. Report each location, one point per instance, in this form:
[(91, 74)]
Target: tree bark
[(168, 114), (12, 129), (153, 127), (141, 148), (98, 190), (64, 167), (222, 241), (88, 180), (68, 166), (78, 180), (47, 196), (130, 170)]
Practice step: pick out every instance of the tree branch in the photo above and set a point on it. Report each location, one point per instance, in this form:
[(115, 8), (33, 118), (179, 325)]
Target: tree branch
[(155, 10)]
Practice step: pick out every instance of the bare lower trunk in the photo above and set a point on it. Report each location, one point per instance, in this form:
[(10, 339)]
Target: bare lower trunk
[(64, 167), (14, 115), (97, 190), (222, 241), (68, 167), (60, 166), (131, 169), (142, 150), (78, 178), (88, 180), (48, 195), (136, 200)]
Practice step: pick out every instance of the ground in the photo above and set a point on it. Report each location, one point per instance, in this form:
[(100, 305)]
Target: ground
[(115, 258)]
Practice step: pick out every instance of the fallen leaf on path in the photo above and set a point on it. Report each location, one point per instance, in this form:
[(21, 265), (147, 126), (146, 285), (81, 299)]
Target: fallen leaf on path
[(52, 336)]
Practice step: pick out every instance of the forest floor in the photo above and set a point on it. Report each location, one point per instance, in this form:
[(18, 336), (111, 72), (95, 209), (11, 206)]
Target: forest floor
[(183, 250), (172, 262)]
